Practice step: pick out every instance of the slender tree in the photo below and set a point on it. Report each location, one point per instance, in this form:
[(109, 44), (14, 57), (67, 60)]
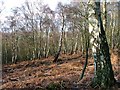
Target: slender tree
[(61, 35)]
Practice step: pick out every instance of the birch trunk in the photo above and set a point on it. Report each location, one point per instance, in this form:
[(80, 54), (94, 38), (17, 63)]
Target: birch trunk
[(103, 76), (60, 41), (76, 44)]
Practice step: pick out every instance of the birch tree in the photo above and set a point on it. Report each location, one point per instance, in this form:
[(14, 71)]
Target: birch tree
[(103, 74), (14, 41), (62, 31)]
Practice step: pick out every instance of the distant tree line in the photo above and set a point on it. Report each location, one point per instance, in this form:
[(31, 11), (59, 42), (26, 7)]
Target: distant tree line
[(35, 31)]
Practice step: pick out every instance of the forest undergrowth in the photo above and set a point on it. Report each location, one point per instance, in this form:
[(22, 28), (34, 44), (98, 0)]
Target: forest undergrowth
[(44, 74)]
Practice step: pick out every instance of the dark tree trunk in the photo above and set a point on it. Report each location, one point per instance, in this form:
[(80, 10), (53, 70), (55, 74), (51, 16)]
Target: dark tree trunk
[(86, 60)]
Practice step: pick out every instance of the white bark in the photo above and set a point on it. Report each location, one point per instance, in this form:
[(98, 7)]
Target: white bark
[(94, 31)]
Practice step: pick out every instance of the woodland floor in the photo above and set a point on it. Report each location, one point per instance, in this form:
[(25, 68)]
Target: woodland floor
[(43, 74)]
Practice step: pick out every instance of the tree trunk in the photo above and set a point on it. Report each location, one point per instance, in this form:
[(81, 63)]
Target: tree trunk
[(65, 42), (6, 51), (14, 45), (104, 76), (40, 39), (59, 50), (60, 41), (118, 46), (86, 50), (76, 44)]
